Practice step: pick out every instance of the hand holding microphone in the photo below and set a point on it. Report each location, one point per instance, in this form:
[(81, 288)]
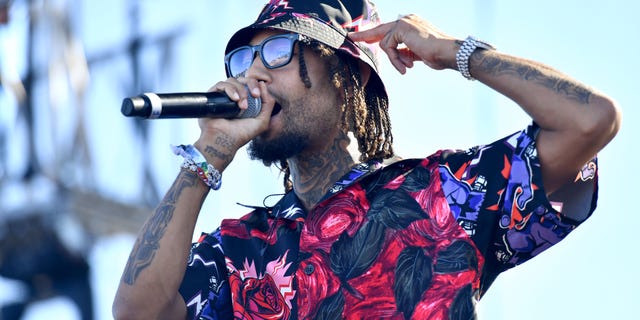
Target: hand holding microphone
[(188, 105), (219, 140)]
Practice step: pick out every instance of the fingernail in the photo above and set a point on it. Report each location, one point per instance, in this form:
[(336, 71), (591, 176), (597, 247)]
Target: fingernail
[(255, 91)]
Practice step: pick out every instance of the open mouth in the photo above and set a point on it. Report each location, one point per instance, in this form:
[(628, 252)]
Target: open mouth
[(276, 109)]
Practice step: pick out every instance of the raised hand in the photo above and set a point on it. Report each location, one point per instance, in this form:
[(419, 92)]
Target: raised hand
[(409, 39)]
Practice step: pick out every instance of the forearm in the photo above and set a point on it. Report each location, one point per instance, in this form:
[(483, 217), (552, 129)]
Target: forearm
[(556, 102), (576, 121), (157, 264), (149, 285), (550, 97)]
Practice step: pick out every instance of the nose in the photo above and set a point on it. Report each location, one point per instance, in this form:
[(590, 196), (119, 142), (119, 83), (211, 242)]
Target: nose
[(257, 70)]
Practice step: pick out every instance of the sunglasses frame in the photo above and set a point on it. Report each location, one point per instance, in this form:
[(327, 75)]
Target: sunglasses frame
[(292, 37)]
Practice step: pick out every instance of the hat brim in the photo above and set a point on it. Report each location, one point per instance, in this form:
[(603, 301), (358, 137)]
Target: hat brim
[(317, 30), (310, 27)]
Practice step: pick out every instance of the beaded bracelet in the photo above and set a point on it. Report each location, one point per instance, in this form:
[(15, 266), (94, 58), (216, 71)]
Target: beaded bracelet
[(194, 161)]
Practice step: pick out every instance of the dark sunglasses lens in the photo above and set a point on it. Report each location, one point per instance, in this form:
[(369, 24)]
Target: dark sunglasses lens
[(240, 61), (277, 52)]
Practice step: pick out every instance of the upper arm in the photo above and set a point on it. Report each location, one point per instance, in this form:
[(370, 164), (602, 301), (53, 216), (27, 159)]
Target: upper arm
[(564, 152)]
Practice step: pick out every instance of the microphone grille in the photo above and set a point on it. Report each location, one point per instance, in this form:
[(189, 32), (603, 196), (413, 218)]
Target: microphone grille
[(255, 105)]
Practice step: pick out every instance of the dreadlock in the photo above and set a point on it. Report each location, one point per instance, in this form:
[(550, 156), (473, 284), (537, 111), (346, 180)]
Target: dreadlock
[(365, 109), (303, 67)]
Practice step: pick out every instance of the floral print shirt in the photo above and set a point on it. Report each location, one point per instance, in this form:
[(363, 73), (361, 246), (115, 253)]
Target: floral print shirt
[(418, 239)]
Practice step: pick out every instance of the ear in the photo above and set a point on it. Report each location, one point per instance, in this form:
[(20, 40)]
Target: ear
[(365, 72)]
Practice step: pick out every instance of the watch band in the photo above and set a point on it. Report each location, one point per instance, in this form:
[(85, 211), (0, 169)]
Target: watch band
[(463, 55)]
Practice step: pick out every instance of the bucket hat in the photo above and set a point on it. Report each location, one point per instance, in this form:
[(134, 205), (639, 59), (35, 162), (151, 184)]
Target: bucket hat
[(326, 21)]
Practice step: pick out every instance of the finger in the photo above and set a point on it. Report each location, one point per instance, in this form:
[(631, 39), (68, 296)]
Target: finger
[(252, 86), (372, 35), (408, 63), (395, 60), (408, 54), (230, 88), (407, 57), (238, 90), (389, 44), (267, 101)]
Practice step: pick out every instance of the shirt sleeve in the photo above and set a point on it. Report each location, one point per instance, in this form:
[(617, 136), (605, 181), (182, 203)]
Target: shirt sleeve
[(496, 193), (205, 286)]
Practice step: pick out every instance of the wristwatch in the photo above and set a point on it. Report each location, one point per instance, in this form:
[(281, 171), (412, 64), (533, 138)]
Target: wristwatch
[(469, 45)]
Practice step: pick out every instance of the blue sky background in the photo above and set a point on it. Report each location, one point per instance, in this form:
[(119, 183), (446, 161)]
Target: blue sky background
[(591, 275)]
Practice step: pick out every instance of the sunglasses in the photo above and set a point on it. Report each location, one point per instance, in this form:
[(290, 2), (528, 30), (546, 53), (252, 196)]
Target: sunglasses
[(275, 52)]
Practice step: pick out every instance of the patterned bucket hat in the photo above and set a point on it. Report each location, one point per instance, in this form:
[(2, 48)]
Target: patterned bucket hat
[(327, 21)]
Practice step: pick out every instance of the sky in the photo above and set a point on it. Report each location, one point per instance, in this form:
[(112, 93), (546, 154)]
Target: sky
[(590, 275)]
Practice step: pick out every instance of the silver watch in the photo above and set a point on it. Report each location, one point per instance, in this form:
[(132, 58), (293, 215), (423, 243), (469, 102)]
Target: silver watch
[(464, 53)]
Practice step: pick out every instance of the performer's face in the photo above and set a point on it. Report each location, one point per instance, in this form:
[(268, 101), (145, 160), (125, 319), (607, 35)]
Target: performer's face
[(304, 119)]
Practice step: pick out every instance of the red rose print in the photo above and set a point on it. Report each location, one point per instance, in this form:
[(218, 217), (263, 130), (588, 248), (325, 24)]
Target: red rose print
[(316, 282), (261, 296), (344, 213), (259, 299), (243, 229), (235, 228)]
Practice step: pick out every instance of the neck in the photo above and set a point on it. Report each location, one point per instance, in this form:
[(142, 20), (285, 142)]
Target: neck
[(315, 172)]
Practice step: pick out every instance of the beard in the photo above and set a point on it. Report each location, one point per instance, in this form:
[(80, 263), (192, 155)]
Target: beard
[(301, 128), (280, 148)]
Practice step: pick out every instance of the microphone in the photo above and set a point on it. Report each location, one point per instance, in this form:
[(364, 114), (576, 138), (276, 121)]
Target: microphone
[(187, 105)]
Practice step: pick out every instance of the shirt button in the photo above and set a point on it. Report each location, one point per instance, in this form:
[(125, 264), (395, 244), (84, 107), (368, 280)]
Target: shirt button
[(309, 269)]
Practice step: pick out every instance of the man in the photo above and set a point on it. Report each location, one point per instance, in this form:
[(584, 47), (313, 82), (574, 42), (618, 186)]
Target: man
[(418, 238)]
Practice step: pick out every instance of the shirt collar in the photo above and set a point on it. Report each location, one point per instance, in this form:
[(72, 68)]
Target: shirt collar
[(289, 206)]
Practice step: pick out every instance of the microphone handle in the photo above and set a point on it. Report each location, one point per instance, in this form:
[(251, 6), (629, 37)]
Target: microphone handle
[(187, 105), (195, 105)]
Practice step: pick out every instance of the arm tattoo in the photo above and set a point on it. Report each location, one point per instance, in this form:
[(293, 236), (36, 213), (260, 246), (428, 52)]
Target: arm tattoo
[(148, 242), (226, 142), (542, 75), (217, 153)]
